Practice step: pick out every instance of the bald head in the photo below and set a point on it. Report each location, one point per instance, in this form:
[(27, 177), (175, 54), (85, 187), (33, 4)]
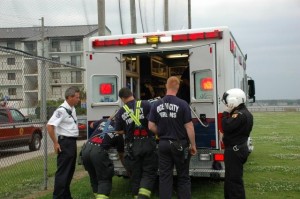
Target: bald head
[(173, 84)]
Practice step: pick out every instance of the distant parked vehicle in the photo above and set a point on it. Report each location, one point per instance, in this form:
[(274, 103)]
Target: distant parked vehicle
[(16, 130), (82, 126)]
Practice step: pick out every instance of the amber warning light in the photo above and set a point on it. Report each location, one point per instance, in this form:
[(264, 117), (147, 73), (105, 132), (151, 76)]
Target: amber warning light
[(106, 89), (206, 84)]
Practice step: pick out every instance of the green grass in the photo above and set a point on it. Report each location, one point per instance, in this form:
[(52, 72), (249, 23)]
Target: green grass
[(26, 177), (271, 172)]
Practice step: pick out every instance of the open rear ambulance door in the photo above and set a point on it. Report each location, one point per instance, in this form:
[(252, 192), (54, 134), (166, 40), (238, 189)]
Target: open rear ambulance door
[(204, 102), (104, 77)]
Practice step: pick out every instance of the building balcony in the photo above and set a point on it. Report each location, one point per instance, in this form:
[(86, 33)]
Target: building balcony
[(5, 82), (66, 48), (64, 81), (17, 66)]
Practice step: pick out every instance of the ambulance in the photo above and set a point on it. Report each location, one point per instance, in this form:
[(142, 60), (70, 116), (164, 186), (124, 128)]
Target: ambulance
[(211, 60)]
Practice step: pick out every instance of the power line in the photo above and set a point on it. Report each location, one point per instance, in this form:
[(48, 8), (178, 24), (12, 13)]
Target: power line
[(145, 14), (154, 28), (120, 14), (141, 16), (85, 14)]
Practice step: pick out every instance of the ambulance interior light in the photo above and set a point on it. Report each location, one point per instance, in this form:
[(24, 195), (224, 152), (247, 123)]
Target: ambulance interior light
[(183, 55)]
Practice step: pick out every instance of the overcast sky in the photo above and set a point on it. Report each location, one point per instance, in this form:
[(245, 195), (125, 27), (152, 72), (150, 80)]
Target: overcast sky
[(266, 30)]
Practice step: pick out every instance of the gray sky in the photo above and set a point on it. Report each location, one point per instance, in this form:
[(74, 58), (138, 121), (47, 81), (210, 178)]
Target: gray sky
[(266, 30)]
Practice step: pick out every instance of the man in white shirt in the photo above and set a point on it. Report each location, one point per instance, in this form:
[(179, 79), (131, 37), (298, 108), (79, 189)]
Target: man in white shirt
[(63, 130)]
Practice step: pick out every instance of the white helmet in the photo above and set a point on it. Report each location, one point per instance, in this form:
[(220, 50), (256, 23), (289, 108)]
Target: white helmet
[(234, 97)]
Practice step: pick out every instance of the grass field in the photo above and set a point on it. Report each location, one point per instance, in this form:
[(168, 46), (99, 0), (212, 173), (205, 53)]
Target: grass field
[(271, 172)]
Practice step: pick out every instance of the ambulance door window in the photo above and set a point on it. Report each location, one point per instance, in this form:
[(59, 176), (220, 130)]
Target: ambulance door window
[(203, 85), (104, 88)]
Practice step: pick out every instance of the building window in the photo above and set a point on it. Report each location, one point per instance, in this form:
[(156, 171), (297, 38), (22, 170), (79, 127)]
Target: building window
[(11, 76), (75, 60), (56, 75), (55, 46), (30, 48), (76, 45), (12, 91), (55, 58), (56, 91), (76, 77), (11, 61), (11, 45)]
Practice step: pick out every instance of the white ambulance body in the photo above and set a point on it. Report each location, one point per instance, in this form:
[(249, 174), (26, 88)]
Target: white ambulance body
[(215, 64)]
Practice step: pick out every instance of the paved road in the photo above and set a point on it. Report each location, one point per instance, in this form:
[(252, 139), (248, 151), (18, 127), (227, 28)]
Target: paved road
[(12, 156)]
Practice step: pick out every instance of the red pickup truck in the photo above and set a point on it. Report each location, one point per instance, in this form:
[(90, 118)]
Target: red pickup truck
[(16, 130)]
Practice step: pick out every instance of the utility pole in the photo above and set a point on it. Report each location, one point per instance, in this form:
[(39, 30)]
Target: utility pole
[(43, 77), (133, 16), (101, 17), (189, 15), (43, 105), (166, 16)]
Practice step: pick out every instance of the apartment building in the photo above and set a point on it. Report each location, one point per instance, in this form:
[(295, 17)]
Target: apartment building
[(21, 77)]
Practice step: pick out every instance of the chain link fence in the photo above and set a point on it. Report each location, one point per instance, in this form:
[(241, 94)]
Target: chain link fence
[(274, 108), (31, 88)]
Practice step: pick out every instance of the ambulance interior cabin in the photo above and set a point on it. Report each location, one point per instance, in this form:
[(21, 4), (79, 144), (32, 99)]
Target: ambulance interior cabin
[(147, 73)]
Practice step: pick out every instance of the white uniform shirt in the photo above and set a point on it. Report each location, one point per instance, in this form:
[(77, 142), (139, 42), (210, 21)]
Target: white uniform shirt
[(63, 122)]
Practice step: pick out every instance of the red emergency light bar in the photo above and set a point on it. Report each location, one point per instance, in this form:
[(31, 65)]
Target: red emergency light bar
[(158, 39), (115, 42), (198, 36)]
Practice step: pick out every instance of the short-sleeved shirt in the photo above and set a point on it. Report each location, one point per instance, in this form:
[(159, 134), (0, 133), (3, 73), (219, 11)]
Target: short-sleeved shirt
[(106, 139), (64, 123), (170, 123), (124, 122)]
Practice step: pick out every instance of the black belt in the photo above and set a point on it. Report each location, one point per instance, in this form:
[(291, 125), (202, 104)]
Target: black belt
[(140, 137), (238, 146), (61, 137), (98, 145)]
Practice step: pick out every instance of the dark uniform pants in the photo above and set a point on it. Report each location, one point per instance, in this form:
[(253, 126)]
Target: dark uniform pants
[(66, 161), (168, 157), (234, 185), (145, 165), (100, 168)]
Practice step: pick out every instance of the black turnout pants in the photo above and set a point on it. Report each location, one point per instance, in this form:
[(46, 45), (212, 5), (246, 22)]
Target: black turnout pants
[(144, 171), (100, 168), (66, 161), (168, 157), (234, 184)]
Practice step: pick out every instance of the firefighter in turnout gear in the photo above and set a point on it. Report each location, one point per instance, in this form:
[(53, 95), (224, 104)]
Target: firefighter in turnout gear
[(140, 156), (96, 159), (237, 124)]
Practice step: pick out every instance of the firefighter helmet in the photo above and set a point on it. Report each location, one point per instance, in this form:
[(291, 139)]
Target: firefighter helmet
[(234, 97)]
